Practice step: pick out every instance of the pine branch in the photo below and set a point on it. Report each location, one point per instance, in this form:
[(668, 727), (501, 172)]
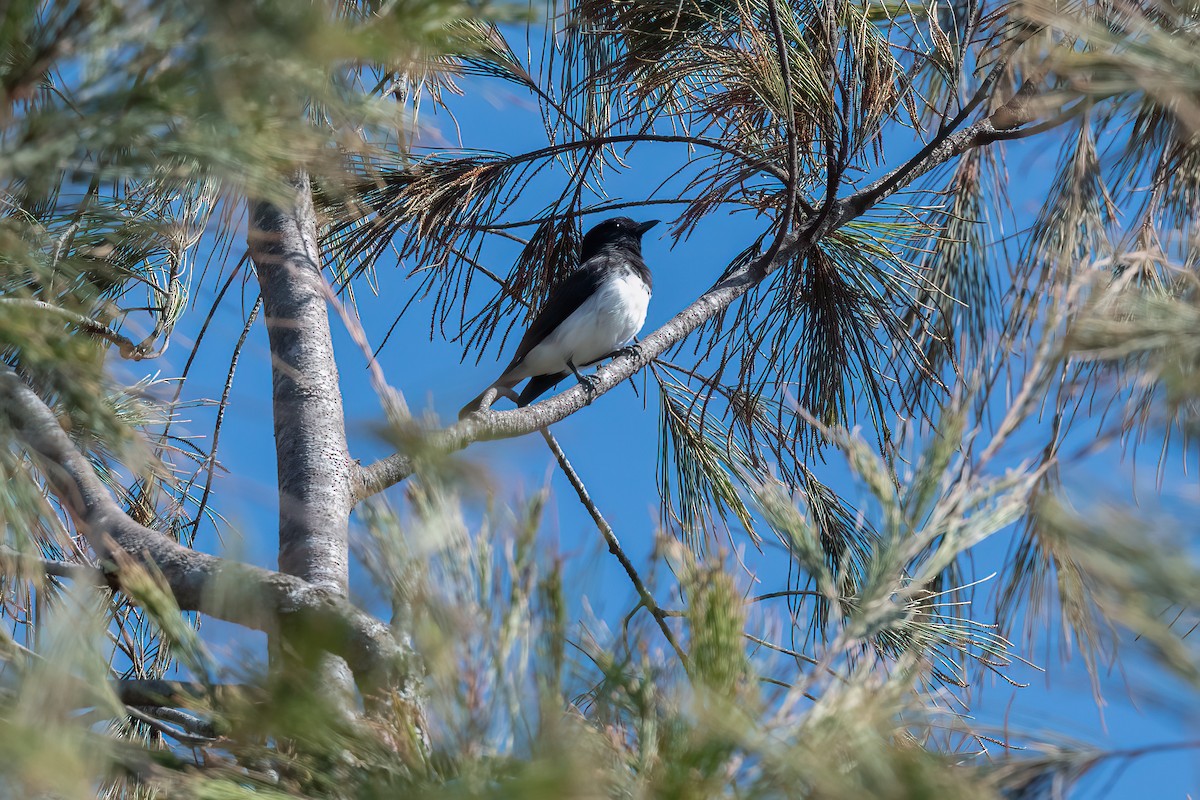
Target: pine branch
[(491, 425), (246, 595)]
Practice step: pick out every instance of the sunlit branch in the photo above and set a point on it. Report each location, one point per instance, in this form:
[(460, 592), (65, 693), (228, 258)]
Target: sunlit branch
[(190, 723), (182, 736)]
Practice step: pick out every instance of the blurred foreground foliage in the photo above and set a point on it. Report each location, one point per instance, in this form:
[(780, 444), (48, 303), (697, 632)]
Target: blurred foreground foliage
[(130, 131), (523, 702)]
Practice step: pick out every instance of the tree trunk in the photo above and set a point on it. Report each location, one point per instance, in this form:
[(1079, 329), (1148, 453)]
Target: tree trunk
[(315, 470)]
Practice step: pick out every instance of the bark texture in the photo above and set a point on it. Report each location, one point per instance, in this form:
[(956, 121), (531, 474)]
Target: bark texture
[(315, 471), (314, 465)]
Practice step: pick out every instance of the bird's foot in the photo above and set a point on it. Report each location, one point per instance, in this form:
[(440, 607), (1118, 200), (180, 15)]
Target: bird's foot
[(632, 350), (589, 384)]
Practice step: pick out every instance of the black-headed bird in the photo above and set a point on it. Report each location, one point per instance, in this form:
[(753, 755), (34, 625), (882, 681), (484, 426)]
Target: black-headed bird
[(590, 315)]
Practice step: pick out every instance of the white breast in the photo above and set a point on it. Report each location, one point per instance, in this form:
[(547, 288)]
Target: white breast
[(607, 320)]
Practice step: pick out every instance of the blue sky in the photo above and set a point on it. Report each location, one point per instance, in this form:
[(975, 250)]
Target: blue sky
[(614, 443)]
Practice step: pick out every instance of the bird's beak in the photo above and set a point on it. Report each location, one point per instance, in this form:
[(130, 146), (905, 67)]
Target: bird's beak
[(645, 226)]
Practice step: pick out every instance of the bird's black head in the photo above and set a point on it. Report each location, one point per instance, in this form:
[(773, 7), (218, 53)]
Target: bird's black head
[(616, 233)]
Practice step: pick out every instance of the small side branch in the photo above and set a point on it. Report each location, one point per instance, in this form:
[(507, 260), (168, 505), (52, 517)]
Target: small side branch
[(211, 461), (614, 545), (12, 561), (128, 349), (184, 737), (1002, 124)]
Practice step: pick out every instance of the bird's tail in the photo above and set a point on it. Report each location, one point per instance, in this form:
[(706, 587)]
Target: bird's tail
[(476, 404), (538, 385)]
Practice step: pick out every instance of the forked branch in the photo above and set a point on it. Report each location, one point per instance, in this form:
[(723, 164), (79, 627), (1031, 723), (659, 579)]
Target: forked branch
[(228, 590)]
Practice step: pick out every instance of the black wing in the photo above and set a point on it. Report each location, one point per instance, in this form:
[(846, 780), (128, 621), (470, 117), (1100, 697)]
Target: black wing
[(565, 300)]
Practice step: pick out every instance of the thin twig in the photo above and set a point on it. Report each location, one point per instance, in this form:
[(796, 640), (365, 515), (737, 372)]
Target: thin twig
[(787, 593), (224, 404), (614, 545), (195, 349), (128, 349), (783, 685), (793, 146), (166, 730), (51, 567), (781, 649), (192, 724)]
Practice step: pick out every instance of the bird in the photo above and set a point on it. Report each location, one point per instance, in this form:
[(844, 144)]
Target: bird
[(591, 314)]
